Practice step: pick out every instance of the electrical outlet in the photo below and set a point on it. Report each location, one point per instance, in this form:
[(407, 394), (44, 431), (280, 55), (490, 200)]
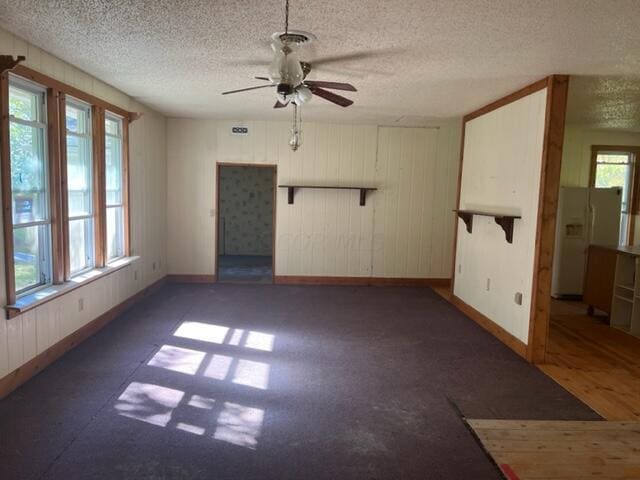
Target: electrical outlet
[(518, 298), (488, 284), (80, 304), (135, 274)]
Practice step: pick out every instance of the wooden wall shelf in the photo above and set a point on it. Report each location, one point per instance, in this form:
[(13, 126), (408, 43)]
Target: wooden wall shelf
[(505, 221), (292, 188)]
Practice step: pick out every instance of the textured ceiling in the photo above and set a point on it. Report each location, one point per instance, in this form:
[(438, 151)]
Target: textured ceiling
[(433, 59)]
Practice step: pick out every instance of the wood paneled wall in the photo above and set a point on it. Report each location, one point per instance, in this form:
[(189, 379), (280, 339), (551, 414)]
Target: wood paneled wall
[(23, 337), (403, 231), (501, 171)]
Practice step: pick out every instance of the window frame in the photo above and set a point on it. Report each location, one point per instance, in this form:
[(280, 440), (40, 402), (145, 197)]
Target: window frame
[(46, 254), (56, 94), (633, 202), (124, 185), (79, 105)]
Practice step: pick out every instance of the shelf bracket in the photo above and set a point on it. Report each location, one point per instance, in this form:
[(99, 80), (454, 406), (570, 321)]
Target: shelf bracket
[(507, 225), (467, 218), (363, 197), (290, 192), (8, 62)]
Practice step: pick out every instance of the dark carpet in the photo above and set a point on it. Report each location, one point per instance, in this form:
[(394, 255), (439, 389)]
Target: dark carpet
[(245, 269), (274, 382)]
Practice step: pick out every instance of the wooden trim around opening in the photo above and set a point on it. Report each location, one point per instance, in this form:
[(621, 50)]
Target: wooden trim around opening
[(557, 87), (490, 326), (45, 80), (517, 95), (7, 204), (23, 373), (191, 278), (62, 267), (125, 187), (99, 186), (557, 92), (361, 281), (54, 140)]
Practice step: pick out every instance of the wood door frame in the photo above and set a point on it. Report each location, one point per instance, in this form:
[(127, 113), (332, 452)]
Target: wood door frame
[(274, 167), (634, 200), (557, 88)]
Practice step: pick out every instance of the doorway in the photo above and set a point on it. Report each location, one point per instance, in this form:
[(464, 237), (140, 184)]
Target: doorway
[(246, 223)]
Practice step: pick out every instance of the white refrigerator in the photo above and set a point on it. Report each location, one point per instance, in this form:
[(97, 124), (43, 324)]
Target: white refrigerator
[(585, 216)]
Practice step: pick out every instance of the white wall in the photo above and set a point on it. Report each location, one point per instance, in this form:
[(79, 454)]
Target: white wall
[(27, 335), (501, 171), (403, 231)]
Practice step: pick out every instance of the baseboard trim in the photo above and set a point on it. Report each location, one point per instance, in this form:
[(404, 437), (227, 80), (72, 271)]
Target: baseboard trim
[(34, 366), (187, 278), (489, 325), (361, 281)]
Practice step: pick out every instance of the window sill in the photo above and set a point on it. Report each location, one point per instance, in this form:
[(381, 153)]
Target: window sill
[(35, 299)]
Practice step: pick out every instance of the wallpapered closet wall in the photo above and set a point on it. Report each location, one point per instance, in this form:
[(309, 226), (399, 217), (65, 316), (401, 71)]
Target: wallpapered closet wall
[(246, 210)]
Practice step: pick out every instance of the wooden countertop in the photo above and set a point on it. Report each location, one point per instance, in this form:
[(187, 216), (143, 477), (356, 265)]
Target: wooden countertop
[(633, 250)]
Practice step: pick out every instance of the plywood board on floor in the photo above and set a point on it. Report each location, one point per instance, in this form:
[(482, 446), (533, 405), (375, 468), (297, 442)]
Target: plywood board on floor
[(567, 450)]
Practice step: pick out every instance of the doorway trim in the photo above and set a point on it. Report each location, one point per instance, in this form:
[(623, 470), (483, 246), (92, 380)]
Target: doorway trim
[(274, 167), (634, 200)]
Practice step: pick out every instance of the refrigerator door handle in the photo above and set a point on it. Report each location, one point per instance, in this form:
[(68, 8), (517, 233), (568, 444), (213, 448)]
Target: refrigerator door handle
[(590, 222)]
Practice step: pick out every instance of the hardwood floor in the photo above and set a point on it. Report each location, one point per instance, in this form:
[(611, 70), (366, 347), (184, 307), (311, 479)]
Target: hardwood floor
[(595, 362), (566, 450)]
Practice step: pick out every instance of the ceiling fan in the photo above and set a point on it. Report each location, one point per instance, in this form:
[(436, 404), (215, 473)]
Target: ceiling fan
[(288, 74)]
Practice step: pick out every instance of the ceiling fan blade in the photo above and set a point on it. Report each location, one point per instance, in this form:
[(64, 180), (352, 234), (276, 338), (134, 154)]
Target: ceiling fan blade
[(262, 78), (330, 96), (247, 89), (331, 85), (279, 104)]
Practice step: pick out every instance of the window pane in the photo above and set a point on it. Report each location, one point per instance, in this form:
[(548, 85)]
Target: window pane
[(613, 158), (113, 171), (31, 253), (77, 119), (80, 244), (24, 104), (115, 232), (112, 126), (614, 176), (28, 173), (79, 175)]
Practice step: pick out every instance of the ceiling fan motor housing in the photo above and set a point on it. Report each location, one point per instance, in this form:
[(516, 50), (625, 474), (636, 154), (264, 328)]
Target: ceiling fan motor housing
[(285, 89)]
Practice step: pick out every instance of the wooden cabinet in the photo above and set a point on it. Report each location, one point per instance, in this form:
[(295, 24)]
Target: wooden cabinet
[(599, 278), (612, 284)]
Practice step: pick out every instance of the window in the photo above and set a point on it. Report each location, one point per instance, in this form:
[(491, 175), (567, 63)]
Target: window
[(63, 163), (29, 186), (79, 187), (615, 168), (114, 180)]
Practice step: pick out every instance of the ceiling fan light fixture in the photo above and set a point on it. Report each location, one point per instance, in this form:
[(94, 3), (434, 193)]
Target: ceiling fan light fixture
[(285, 67), (303, 95)]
